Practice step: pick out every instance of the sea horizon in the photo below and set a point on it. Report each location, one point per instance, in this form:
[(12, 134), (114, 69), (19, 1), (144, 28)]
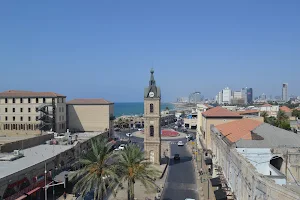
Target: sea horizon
[(135, 108)]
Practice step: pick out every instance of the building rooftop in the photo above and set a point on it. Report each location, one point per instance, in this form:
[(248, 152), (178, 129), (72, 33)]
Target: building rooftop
[(37, 154), (239, 129), (32, 156), (285, 109), (220, 112), (89, 102), (22, 93), (272, 137), (8, 139), (245, 112), (266, 105)]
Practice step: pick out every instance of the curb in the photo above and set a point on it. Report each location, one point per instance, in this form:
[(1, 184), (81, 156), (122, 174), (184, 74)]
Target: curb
[(167, 174)]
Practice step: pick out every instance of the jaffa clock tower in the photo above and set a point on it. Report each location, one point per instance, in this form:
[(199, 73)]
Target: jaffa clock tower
[(152, 129)]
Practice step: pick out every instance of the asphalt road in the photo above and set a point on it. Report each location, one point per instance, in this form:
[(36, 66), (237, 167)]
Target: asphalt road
[(181, 182)]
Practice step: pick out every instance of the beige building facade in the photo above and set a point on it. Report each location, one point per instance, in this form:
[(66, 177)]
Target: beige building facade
[(20, 111), (152, 121), (90, 115)]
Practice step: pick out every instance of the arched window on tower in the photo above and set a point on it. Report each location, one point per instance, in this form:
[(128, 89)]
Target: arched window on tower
[(151, 131), (151, 108)]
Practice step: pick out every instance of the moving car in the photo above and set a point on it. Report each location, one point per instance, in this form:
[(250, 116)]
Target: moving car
[(121, 147), (176, 156), (180, 143), (188, 136), (128, 134)]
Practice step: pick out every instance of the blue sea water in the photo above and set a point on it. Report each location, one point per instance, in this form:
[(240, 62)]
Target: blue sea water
[(135, 108)]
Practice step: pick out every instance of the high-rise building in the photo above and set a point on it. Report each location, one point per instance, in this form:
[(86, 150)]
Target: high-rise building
[(249, 95), (285, 92), (244, 94), (220, 98), (227, 94)]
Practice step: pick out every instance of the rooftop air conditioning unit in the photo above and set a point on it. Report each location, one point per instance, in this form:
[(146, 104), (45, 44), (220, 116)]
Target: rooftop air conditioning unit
[(18, 153)]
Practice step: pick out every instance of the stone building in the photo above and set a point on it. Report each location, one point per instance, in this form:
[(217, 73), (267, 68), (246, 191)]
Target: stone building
[(21, 112), (214, 116), (152, 121), (257, 160), (90, 115)]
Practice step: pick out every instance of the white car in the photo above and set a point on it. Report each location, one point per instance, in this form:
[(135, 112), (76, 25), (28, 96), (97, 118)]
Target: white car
[(180, 143), (188, 136), (128, 134), (121, 147), (140, 129)]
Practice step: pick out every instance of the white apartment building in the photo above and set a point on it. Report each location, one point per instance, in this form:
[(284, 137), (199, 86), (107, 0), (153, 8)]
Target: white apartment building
[(20, 115), (237, 95), (220, 98), (227, 95)]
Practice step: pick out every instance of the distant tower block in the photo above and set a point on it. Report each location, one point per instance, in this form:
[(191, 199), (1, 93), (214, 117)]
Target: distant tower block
[(152, 129)]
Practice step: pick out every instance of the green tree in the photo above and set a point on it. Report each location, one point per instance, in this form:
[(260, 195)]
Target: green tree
[(271, 120), (132, 166), (296, 113), (97, 174), (284, 125), (265, 115), (281, 116)]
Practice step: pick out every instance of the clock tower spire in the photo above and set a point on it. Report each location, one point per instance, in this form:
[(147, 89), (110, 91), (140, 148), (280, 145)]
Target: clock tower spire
[(152, 129)]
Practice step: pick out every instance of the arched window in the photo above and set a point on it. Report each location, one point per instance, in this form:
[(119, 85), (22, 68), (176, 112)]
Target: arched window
[(151, 108), (151, 131)]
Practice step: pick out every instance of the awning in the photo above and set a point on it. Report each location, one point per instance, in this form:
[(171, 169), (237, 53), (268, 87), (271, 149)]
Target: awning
[(216, 182), (33, 191), (220, 194), (22, 197), (60, 177), (208, 161)]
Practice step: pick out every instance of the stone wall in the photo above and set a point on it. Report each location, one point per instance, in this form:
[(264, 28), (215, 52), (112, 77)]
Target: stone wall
[(25, 143), (243, 178)]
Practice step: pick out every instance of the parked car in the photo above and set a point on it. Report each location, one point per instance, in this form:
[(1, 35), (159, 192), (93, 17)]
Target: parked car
[(180, 143), (176, 156), (121, 147)]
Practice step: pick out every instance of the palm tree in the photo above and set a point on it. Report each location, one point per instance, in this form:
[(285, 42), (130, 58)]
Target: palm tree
[(132, 166), (265, 115), (98, 173)]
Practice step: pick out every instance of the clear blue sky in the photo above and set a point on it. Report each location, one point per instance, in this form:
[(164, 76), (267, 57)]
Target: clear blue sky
[(106, 48)]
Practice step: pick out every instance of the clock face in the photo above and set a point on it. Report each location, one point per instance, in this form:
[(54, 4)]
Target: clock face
[(151, 94)]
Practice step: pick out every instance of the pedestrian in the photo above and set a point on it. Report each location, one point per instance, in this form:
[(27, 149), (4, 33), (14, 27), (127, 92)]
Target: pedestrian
[(65, 195), (201, 171)]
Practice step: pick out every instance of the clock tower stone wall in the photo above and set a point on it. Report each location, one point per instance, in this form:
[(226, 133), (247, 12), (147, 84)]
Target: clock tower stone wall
[(152, 119)]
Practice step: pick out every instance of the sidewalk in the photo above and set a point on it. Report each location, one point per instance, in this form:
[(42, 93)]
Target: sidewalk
[(69, 197), (206, 191), (141, 193)]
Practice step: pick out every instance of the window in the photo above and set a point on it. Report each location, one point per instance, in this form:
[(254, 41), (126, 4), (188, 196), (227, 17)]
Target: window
[(6, 101), (6, 118), (36, 118), (59, 118), (29, 100), (29, 118), (59, 109), (29, 109), (44, 100), (151, 131), (21, 109), (151, 108), (62, 109), (5, 109), (21, 118), (14, 100), (37, 100), (14, 118), (21, 100), (14, 110)]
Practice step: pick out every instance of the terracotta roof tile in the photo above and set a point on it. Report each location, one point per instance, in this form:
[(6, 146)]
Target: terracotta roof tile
[(220, 112), (244, 112), (285, 109), (89, 102), (239, 129), (22, 93)]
